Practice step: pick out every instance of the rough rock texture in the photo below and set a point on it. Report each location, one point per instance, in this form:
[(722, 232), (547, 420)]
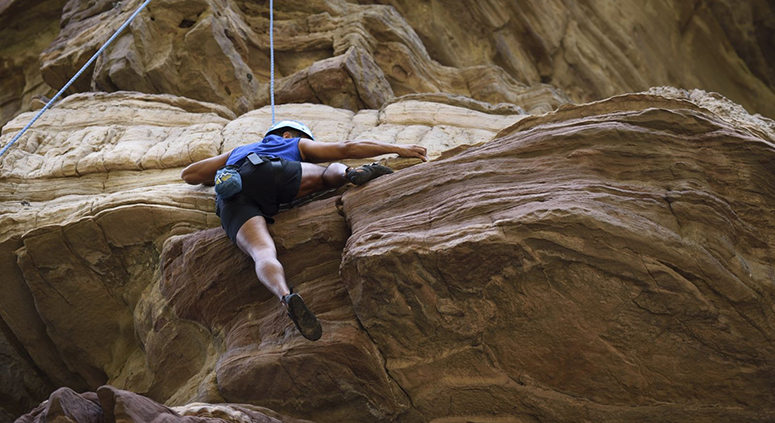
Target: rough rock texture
[(357, 56), (611, 261), (26, 29), (332, 52), (594, 49), (603, 262), (111, 405), (87, 210), (606, 262)]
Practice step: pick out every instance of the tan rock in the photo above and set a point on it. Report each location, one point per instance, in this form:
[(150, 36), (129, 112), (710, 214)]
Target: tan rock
[(595, 49), (605, 262), (332, 52), (610, 260), (480, 277), (84, 296)]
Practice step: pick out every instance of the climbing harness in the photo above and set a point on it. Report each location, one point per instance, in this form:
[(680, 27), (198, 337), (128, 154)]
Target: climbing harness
[(93, 58)]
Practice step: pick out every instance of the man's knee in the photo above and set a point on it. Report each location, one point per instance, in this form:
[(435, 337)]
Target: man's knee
[(266, 258), (333, 176)]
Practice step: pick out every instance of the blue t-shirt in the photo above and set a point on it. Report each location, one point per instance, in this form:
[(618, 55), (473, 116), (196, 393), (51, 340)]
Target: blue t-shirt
[(272, 146)]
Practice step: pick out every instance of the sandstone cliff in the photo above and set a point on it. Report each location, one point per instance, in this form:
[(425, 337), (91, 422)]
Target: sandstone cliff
[(609, 261)]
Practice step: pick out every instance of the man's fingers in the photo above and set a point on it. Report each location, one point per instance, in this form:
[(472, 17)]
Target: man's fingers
[(413, 150), (419, 155), (422, 152)]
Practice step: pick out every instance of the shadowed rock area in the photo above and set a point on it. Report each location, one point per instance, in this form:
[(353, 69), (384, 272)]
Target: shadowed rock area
[(553, 262), (358, 55)]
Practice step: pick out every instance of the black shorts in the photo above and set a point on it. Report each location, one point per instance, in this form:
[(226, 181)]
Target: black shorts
[(261, 194)]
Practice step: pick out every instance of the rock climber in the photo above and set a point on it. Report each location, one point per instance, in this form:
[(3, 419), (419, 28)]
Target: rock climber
[(276, 171)]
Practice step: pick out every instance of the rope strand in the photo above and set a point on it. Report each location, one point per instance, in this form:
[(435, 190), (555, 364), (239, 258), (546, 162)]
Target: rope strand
[(51, 102), (271, 52)]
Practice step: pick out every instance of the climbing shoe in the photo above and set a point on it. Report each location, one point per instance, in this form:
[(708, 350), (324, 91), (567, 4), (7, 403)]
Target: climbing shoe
[(305, 321), (362, 174)]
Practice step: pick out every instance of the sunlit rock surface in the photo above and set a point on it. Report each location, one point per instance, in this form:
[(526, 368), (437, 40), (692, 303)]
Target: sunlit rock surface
[(88, 209), (609, 261)]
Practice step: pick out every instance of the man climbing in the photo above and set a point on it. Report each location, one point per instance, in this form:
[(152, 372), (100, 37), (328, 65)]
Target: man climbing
[(276, 171)]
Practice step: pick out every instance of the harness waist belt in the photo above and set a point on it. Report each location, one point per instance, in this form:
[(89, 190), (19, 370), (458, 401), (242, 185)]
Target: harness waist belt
[(277, 167)]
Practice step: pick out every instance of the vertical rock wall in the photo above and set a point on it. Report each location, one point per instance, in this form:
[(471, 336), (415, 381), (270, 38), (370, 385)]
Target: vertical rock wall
[(357, 56), (610, 260)]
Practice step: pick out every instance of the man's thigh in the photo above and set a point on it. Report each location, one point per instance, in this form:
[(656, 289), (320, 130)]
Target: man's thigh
[(253, 237), (311, 179)]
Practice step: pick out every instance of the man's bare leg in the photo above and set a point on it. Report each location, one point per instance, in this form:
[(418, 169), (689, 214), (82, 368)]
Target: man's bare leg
[(254, 239)]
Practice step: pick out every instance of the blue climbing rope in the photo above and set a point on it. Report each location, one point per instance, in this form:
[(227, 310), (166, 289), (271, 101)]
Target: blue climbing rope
[(271, 52), (51, 102)]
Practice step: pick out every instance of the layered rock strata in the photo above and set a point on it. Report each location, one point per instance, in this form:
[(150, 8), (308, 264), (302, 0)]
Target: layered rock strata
[(595, 49), (610, 261), (358, 56), (87, 209), (331, 52)]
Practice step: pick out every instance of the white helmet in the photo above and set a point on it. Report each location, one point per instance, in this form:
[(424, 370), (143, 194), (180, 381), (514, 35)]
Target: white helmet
[(293, 125)]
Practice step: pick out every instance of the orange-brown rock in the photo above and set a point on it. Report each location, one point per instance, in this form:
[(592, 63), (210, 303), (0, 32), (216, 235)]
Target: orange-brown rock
[(332, 52), (594, 49), (359, 55), (87, 209), (610, 260)]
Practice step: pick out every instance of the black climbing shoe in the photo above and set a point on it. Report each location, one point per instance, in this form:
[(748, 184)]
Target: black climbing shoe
[(362, 174), (305, 321)]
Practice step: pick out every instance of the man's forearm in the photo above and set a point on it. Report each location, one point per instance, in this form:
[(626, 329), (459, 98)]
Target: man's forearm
[(364, 149), (203, 171)]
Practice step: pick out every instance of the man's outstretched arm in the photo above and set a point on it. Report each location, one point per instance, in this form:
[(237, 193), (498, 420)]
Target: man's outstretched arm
[(203, 171), (318, 152)]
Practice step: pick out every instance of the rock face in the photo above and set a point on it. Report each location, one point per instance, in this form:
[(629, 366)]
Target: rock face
[(358, 55), (608, 262), (26, 29), (611, 260), (332, 52), (97, 291), (109, 404), (595, 49)]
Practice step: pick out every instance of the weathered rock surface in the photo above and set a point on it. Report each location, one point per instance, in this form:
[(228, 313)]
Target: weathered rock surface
[(608, 262), (110, 405), (595, 49), (611, 261), (358, 56), (26, 29), (331, 52), (87, 209)]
